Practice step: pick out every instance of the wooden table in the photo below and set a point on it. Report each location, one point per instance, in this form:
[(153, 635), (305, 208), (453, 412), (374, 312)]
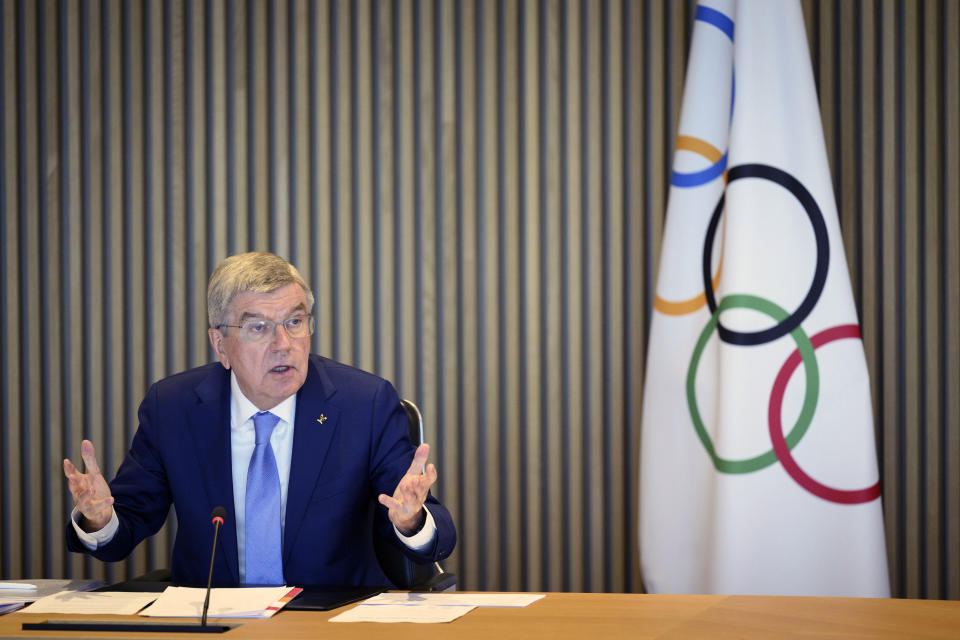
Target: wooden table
[(592, 616)]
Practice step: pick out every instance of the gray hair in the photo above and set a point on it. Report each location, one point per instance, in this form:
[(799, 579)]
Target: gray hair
[(254, 272)]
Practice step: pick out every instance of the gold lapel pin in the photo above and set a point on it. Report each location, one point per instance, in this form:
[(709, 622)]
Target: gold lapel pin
[(322, 419)]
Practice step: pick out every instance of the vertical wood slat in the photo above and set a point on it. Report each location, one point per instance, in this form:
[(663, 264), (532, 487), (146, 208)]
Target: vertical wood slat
[(109, 433), (5, 483), (948, 298), (928, 408), (21, 464), (475, 191), (38, 518)]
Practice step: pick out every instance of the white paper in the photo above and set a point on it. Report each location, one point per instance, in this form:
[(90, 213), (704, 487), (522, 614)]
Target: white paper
[(240, 602), (98, 603), (402, 613), (23, 586), (449, 599), (44, 587)]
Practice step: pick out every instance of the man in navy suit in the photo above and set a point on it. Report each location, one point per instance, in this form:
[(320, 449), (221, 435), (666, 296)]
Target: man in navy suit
[(301, 499)]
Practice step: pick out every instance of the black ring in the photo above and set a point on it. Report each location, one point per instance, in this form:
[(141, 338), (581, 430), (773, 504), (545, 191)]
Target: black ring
[(806, 200)]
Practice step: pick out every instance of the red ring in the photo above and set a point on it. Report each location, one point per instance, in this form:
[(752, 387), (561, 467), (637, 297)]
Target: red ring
[(780, 448)]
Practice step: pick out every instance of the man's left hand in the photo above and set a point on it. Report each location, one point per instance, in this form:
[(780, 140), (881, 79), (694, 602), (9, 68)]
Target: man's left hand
[(405, 508)]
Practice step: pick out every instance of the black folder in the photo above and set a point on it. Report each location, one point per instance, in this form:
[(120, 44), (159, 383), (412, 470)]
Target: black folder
[(327, 598)]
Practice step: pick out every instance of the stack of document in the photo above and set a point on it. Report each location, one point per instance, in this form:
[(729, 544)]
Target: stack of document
[(96, 603), (242, 602), (14, 595), (174, 602), (429, 607)]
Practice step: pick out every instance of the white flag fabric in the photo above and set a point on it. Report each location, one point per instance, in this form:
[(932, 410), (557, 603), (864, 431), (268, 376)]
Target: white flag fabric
[(758, 466)]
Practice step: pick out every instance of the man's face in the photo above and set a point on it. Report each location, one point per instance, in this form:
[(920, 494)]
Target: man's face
[(274, 368)]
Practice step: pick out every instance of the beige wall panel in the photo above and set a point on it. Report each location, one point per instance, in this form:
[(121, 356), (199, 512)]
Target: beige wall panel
[(552, 411), (86, 354), (638, 273), (614, 393), (278, 138), (54, 406), (259, 218), (509, 288), (887, 388), (29, 303), (384, 294), (951, 331), (484, 551), (911, 283), (301, 239), (72, 373), (575, 516), (530, 416), (197, 218), (592, 356), (444, 279), (929, 394), (215, 49), (9, 483), (322, 277), (243, 85), (344, 348), (360, 146), (403, 183), (869, 219), (844, 168)]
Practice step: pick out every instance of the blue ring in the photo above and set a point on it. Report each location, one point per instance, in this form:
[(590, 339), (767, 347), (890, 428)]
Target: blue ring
[(678, 179), (697, 178)]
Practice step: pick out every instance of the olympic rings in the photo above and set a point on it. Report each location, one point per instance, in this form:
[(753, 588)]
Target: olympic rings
[(786, 322)]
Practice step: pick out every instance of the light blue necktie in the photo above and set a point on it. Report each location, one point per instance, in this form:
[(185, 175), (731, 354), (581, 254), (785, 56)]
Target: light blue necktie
[(264, 542)]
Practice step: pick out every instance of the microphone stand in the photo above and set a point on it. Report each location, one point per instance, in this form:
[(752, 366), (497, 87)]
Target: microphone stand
[(218, 514)]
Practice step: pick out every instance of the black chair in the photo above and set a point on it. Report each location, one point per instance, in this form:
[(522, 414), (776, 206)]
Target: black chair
[(398, 567)]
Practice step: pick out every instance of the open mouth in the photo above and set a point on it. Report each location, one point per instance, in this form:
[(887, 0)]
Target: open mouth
[(280, 369)]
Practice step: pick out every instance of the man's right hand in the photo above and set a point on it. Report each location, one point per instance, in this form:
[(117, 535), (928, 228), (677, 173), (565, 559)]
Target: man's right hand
[(91, 494)]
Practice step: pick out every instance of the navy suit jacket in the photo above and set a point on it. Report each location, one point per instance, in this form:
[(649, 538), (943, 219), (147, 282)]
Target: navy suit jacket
[(350, 444)]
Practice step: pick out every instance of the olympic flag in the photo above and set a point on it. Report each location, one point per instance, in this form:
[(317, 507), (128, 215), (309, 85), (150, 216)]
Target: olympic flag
[(758, 469)]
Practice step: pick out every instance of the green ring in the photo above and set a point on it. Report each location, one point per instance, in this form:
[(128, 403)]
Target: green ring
[(763, 460)]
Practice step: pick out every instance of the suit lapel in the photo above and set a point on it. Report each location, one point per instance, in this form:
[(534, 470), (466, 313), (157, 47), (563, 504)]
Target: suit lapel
[(314, 425), (210, 427)]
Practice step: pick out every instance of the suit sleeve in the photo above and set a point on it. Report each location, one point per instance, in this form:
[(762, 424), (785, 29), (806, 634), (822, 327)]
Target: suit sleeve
[(392, 454), (140, 489)]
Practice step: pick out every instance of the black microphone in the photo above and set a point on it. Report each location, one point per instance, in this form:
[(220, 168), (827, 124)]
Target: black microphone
[(216, 516)]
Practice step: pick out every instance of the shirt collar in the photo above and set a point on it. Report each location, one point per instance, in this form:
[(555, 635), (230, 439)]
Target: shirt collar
[(244, 410)]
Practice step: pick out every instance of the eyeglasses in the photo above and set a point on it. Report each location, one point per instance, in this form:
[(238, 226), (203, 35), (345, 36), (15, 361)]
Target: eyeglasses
[(298, 326)]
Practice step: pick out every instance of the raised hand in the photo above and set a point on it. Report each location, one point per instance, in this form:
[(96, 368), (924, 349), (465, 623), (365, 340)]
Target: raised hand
[(405, 508), (90, 491)]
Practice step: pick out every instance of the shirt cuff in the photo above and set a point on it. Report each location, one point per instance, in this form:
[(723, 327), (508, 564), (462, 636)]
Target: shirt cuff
[(93, 540), (421, 539)]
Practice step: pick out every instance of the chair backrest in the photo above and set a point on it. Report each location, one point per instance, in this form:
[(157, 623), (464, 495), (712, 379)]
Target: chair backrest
[(414, 422), (398, 567)]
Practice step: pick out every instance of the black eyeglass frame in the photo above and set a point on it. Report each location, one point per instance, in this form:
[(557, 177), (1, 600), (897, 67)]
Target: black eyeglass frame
[(311, 325)]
